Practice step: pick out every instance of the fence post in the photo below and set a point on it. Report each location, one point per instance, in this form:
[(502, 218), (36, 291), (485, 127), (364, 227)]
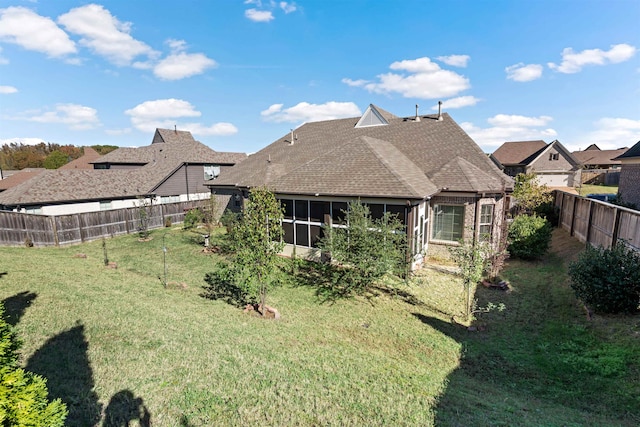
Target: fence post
[(616, 227), (589, 222), (573, 214), (56, 241)]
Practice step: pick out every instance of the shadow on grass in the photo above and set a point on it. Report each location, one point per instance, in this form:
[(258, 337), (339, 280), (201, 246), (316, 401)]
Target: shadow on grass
[(64, 362), (16, 305), (123, 408), (538, 362)]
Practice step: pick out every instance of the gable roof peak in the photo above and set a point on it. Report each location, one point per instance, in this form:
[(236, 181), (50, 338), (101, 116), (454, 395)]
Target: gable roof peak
[(375, 116)]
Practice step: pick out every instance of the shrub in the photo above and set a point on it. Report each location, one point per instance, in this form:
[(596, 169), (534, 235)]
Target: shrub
[(192, 218), (529, 237), (607, 280), (28, 242), (549, 211), (23, 395), (229, 219)]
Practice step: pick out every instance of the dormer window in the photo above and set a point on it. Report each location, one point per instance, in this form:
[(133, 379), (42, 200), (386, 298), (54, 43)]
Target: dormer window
[(371, 117), (211, 172)]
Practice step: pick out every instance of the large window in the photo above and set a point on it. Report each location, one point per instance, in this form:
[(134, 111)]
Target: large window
[(448, 223), (486, 222), (303, 219)]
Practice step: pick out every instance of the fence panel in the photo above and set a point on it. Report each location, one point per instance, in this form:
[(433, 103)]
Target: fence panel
[(44, 230), (598, 223), (629, 229)]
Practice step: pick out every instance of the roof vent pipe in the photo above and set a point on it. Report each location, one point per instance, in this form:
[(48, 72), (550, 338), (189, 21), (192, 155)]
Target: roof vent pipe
[(291, 137), (417, 116), (439, 111)]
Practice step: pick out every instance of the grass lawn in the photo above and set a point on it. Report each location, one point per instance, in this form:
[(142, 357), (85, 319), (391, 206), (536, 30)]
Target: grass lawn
[(598, 189), (116, 345)]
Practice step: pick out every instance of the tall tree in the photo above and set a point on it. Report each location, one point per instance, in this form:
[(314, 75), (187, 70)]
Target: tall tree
[(56, 159)]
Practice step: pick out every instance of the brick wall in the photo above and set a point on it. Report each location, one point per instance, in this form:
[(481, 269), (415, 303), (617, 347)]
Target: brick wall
[(629, 186)]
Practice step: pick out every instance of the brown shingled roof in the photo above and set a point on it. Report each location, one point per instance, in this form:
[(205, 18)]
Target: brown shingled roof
[(631, 152), (84, 162), (599, 157), (157, 162), (19, 177), (519, 152), (335, 157)]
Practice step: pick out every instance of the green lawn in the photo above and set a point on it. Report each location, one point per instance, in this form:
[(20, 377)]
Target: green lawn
[(115, 344), (598, 189)]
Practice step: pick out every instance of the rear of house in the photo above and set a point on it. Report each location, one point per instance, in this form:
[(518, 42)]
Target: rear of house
[(425, 169)]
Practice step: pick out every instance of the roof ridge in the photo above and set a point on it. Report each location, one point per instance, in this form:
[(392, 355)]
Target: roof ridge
[(387, 164)]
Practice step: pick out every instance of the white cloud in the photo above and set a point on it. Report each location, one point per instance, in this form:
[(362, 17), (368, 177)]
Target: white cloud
[(612, 133), (117, 132), (425, 79), (524, 73), (104, 34), (31, 31), (506, 120), (305, 112), (7, 89), (23, 141), (180, 65), (217, 129), (288, 7), (3, 60), (455, 60), (162, 113), (506, 127), (258, 15), (76, 117), (355, 83), (459, 102), (573, 62)]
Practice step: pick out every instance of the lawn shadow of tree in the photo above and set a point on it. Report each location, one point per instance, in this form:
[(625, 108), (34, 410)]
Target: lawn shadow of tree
[(63, 360), (16, 305), (123, 408)]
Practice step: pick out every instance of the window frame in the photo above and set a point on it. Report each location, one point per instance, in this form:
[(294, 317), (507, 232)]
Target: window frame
[(438, 220)]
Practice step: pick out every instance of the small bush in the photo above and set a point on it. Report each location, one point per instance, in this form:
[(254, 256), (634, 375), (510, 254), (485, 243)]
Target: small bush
[(549, 211), (23, 395), (192, 218), (167, 222), (607, 280), (529, 237)]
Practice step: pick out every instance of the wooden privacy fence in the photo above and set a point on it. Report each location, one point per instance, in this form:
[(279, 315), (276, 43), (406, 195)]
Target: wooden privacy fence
[(45, 230), (601, 176), (598, 223)]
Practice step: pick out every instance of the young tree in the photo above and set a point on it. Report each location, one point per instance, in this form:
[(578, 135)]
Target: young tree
[(23, 395), (257, 240), (367, 248), (529, 193), (472, 261), (56, 159)]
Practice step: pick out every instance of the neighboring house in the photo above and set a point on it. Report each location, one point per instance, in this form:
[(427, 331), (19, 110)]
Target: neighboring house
[(425, 169), (595, 158), (173, 168), (83, 162), (18, 177), (629, 187), (554, 165)]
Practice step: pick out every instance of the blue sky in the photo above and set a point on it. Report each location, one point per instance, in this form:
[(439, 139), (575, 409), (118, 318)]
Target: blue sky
[(240, 74)]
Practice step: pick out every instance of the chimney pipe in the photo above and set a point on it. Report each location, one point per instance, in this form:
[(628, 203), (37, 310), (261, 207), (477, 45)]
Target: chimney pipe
[(292, 136), (417, 116), (175, 128), (439, 111)]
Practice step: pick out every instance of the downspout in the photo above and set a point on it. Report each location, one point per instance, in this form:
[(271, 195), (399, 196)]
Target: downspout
[(410, 232)]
